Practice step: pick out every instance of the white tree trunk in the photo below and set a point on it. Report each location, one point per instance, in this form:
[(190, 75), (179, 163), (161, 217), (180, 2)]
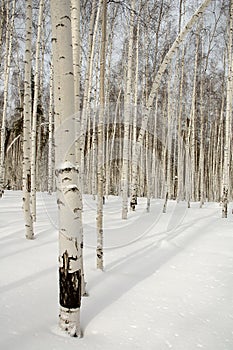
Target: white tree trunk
[(27, 125), (68, 194), (193, 123), (180, 171), (75, 25), (51, 135), (76, 41), (100, 174), (133, 197), (88, 83), (9, 35), (226, 160), (127, 118), (34, 113)]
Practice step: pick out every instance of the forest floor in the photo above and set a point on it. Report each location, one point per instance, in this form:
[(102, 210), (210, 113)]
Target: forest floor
[(167, 282)]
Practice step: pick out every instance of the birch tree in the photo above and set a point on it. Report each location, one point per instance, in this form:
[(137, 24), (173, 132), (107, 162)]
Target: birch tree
[(27, 125), (76, 41), (34, 112), (75, 27), (9, 37), (226, 160), (127, 117), (68, 194), (100, 173), (51, 135)]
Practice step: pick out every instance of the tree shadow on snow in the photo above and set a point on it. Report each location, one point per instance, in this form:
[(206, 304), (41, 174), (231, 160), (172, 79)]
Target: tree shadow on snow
[(125, 273)]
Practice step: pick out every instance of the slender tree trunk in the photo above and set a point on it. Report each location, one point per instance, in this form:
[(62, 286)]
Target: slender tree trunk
[(193, 123), (127, 118), (100, 179), (51, 135), (34, 113), (187, 166), (133, 198), (27, 125), (9, 37), (180, 180), (88, 83), (226, 160)]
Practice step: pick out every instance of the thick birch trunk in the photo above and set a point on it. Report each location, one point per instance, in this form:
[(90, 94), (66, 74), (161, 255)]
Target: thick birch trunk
[(69, 197), (76, 40)]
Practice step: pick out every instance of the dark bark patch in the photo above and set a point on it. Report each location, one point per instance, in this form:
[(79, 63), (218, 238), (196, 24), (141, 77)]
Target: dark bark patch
[(70, 284), (28, 183), (59, 202)]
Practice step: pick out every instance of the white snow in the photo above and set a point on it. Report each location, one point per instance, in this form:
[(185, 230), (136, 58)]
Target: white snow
[(167, 284)]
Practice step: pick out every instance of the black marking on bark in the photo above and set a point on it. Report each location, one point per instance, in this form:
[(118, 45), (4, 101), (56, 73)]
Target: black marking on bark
[(59, 202), (63, 170), (66, 179), (70, 284), (60, 25), (65, 17), (28, 183), (133, 203), (77, 210), (72, 189), (99, 253)]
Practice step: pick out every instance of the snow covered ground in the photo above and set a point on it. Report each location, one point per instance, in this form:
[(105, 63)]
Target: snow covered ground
[(167, 284)]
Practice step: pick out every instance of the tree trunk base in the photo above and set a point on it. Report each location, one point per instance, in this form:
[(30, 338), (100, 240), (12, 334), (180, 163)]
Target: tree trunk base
[(69, 321)]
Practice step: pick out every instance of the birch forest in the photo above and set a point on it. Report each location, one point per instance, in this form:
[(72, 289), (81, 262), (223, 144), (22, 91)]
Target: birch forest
[(123, 98)]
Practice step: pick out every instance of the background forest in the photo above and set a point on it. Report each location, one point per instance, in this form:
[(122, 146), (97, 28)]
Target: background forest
[(183, 146)]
